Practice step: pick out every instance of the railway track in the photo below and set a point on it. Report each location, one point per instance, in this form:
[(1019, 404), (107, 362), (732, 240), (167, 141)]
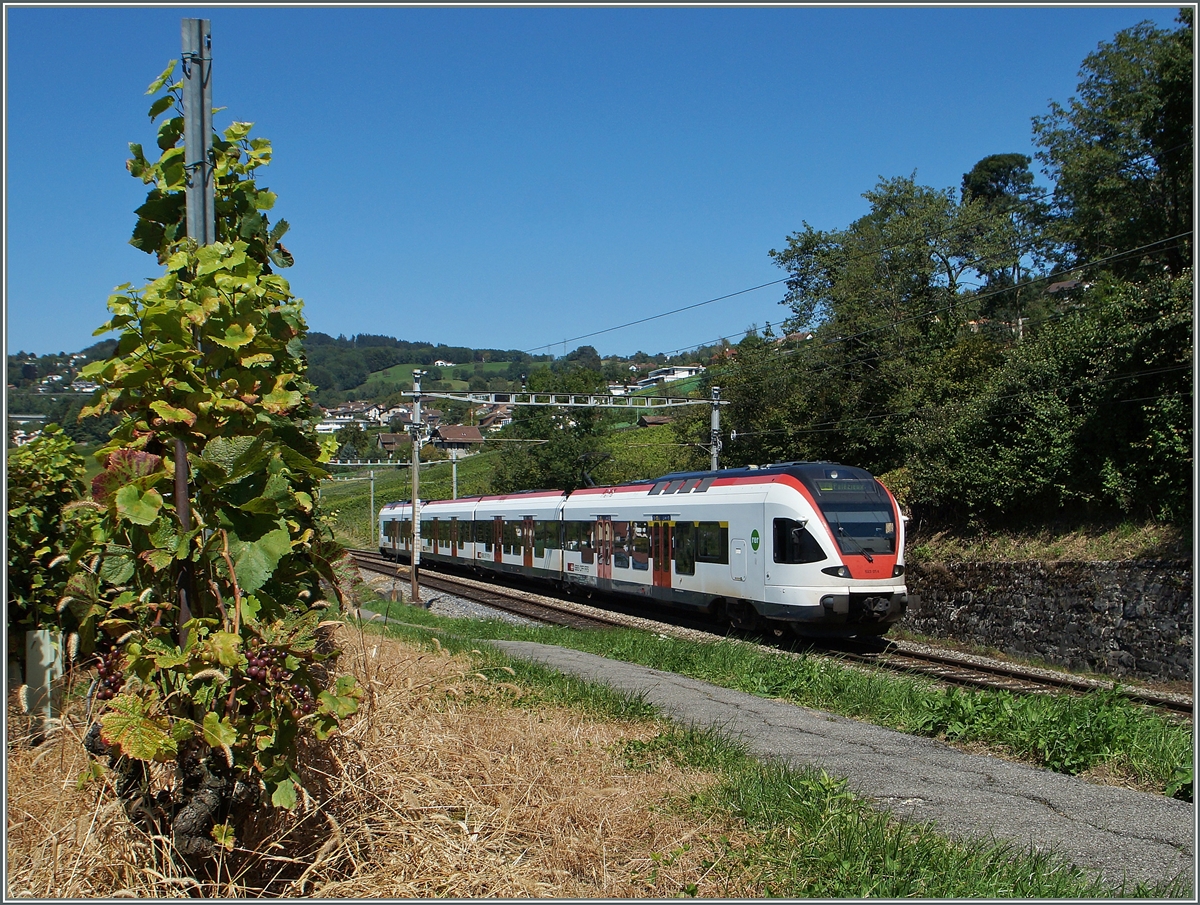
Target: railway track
[(987, 673), (498, 597), (950, 667)]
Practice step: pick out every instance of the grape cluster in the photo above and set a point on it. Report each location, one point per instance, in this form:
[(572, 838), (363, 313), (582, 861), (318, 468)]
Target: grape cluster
[(110, 673), (267, 666)]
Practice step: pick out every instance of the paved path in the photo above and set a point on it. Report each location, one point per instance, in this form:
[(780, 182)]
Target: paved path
[(1120, 833)]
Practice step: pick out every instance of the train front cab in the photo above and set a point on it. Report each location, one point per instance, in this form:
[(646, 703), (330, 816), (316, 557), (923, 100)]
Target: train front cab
[(835, 552)]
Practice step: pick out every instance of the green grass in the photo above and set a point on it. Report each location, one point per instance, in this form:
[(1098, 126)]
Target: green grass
[(401, 375), (810, 837), (1068, 733)]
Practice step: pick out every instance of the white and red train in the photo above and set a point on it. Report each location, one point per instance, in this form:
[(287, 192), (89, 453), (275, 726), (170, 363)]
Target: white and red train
[(814, 546)]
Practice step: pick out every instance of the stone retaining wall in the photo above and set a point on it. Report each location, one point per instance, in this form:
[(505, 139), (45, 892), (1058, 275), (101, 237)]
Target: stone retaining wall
[(1119, 618)]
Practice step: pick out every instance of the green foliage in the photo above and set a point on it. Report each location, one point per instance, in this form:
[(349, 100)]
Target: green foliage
[(353, 441), (1091, 411), (639, 453), (1180, 785), (209, 361), (886, 295), (560, 451), (1121, 153), (47, 523)]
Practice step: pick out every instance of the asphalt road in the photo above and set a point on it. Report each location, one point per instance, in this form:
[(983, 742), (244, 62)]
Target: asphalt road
[(1121, 834)]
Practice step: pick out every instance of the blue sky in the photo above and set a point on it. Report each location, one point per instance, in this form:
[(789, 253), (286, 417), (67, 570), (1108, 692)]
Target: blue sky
[(517, 177)]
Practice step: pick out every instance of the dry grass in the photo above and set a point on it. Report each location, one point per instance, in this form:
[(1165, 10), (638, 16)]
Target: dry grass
[(440, 787)]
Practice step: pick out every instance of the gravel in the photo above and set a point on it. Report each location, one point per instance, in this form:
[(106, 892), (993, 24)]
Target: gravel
[(449, 605)]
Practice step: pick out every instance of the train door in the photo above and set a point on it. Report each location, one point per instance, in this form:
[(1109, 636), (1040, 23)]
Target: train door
[(604, 547), (660, 552), (527, 542), (737, 560), (497, 539)]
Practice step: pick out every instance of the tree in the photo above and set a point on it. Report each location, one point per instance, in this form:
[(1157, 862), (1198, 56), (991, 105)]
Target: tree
[(353, 441), (1002, 185), (214, 635), (887, 296), (45, 520), (1120, 153), (1092, 414), (564, 450)]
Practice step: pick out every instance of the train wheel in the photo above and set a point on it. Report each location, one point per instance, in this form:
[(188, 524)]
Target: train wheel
[(742, 616)]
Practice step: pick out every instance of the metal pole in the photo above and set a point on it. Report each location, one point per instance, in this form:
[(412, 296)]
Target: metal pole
[(197, 130), (714, 437), (416, 485), (201, 223), (371, 512), (454, 474)]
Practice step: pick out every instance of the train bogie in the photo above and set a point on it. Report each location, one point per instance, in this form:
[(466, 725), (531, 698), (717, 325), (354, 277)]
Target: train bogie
[(815, 547)]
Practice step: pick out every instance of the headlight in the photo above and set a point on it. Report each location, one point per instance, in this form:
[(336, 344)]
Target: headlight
[(837, 571), (897, 571)]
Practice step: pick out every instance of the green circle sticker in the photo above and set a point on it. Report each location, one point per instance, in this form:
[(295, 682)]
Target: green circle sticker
[(754, 539)]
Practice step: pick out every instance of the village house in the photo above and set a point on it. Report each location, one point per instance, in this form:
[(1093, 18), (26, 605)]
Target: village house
[(394, 444), (457, 437), (494, 417), (654, 420)]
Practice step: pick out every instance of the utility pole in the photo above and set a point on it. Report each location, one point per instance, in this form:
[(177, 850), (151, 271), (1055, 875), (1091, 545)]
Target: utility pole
[(714, 436), (201, 225), (416, 485), (454, 474), (371, 532)]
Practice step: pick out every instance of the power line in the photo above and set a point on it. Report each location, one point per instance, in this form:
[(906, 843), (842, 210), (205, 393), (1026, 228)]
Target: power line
[(928, 237), (652, 317), (964, 299)]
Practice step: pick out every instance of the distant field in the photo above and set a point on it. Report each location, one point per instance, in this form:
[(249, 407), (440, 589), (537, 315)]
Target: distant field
[(401, 375), (675, 388)]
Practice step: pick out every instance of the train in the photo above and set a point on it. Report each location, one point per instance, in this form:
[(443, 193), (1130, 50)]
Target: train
[(814, 548)]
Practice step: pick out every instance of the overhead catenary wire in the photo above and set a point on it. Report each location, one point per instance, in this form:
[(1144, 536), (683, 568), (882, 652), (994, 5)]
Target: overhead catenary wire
[(927, 237), (933, 312)]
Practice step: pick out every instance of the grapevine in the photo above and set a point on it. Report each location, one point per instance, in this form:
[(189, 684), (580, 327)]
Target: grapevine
[(209, 360)]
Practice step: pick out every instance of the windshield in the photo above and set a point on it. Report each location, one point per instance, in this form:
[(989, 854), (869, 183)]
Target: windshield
[(856, 507), (861, 530)]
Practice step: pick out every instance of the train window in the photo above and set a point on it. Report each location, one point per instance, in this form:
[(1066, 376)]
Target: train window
[(705, 483), (640, 545), (674, 486), (511, 543), (587, 549), (690, 485), (658, 488), (712, 542), (539, 538), (571, 537), (793, 543), (685, 548), (483, 531), (621, 544)]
